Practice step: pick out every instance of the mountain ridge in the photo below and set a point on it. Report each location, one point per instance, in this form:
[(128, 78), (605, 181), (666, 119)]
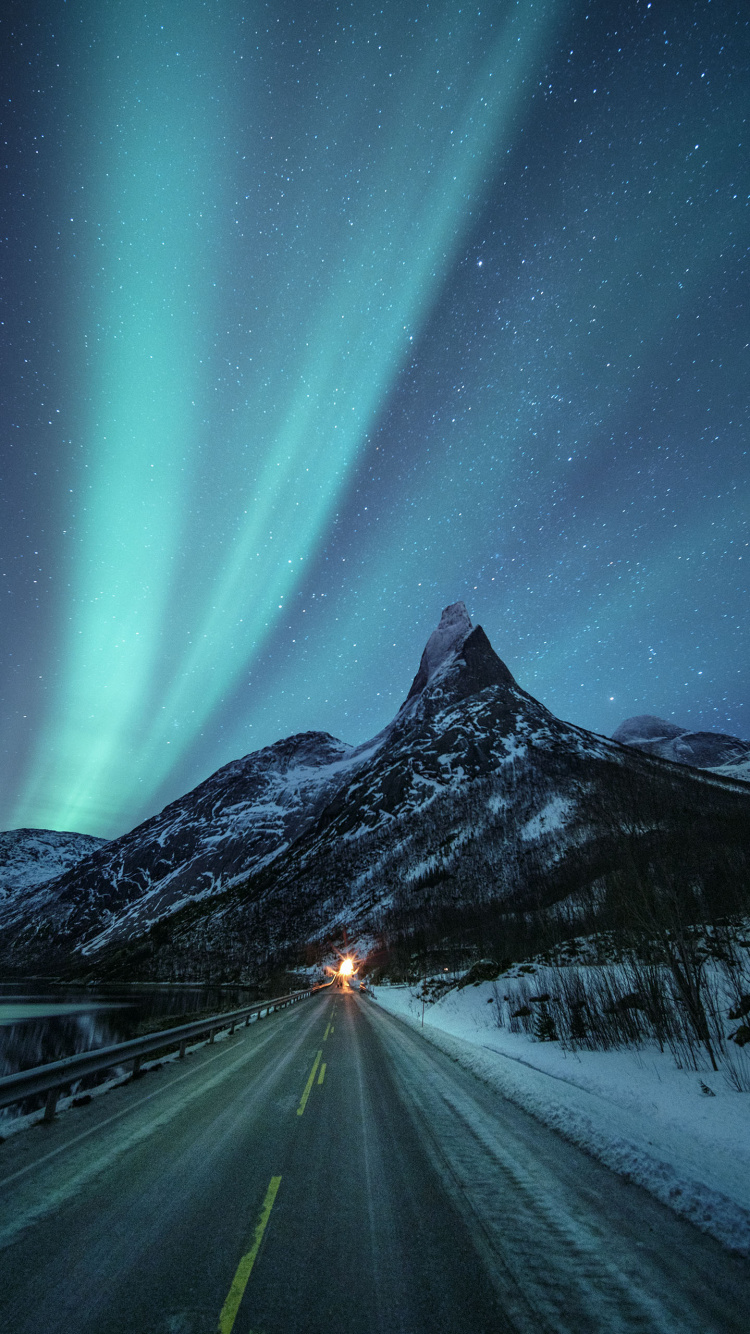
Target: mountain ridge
[(717, 751), (475, 798)]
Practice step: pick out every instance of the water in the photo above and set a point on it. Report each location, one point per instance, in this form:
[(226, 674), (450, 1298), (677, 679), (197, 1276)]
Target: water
[(41, 1023)]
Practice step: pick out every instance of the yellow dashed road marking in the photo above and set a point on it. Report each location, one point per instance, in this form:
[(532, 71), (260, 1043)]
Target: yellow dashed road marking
[(309, 1084), (245, 1267)]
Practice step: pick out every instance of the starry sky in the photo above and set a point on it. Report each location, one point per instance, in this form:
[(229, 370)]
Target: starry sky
[(318, 317)]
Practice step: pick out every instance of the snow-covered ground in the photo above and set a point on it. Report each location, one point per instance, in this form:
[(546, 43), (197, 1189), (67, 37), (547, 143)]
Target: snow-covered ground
[(634, 1110)]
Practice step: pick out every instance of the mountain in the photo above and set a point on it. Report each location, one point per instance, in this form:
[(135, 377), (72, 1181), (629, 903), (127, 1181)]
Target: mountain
[(473, 812), (30, 857), (705, 750), (243, 815)]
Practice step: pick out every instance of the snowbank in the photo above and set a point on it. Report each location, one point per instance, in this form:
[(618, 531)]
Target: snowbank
[(634, 1110)]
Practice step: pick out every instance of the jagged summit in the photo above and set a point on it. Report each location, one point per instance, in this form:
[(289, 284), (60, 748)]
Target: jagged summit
[(458, 657), (455, 626)]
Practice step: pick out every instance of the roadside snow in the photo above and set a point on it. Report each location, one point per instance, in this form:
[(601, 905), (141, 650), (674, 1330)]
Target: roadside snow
[(634, 1110)]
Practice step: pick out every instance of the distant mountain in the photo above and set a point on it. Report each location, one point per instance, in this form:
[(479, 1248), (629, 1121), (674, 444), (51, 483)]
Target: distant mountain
[(472, 814), (30, 857), (706, 750)]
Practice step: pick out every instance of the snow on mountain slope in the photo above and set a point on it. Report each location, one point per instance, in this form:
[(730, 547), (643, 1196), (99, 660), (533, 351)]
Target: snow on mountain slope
[(705, 750), (739, 768), (29, 857), (645, 727), (233, 822)]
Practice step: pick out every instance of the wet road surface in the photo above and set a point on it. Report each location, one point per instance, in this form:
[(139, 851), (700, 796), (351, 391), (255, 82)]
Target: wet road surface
[(327, 1171)]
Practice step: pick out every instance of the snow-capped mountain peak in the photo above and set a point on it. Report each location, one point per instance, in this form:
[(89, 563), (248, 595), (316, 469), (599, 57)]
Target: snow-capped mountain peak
[(458, 661), (644, 727), (724, 754), (444, 642)]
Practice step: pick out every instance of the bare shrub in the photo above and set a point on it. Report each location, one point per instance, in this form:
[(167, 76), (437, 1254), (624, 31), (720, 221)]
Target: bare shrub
[(635, 1002)]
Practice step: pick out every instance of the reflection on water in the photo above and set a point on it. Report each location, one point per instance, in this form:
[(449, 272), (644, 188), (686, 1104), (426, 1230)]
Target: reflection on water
[(37, 1026)]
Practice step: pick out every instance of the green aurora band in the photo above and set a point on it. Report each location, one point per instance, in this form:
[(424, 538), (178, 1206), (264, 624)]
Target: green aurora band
[(193, 211)]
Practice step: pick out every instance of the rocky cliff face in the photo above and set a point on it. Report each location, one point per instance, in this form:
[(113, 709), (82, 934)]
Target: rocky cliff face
[(474, 803)]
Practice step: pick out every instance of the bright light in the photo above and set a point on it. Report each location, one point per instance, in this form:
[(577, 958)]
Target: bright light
[(347, 967)]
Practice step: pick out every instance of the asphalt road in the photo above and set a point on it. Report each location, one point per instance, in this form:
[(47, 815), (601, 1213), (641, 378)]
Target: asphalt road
[(327, 1171)]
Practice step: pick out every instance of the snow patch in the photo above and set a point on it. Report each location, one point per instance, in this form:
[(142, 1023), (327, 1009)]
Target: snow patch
[(552, 816), (633, 1110)]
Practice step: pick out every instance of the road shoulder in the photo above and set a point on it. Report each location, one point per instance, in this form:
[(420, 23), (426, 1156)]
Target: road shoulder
[(614, 1135)]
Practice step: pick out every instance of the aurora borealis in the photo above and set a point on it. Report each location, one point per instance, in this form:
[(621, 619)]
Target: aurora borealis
[(317, 318)]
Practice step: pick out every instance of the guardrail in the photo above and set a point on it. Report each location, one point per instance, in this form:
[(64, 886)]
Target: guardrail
[(58, 1075)]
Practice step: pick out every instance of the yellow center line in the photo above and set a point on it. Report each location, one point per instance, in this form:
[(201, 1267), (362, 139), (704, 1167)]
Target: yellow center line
[(244, 1269), (309, 1084), (325, 1035), (322, 1074)]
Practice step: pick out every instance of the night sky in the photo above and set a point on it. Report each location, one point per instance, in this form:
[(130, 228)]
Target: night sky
[(319, 316)]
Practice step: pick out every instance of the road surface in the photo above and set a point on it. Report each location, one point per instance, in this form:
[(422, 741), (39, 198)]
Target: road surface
[(328, 1171)]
